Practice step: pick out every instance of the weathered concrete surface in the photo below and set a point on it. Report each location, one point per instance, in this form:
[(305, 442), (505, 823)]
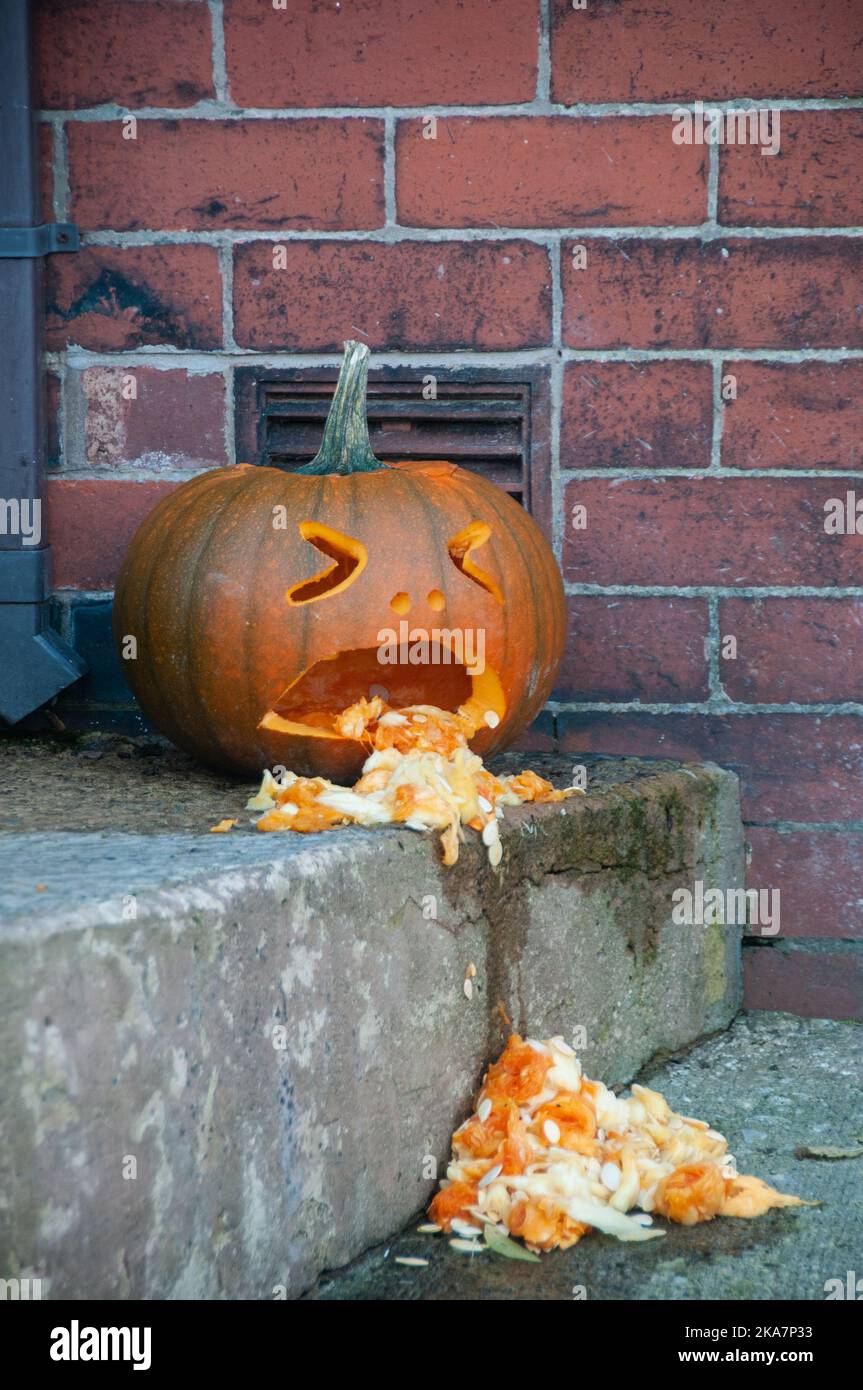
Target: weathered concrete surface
[(771, 1084), (141, 987)]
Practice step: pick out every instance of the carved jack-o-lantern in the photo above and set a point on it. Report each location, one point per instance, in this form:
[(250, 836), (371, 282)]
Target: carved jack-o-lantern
[(265, 602)]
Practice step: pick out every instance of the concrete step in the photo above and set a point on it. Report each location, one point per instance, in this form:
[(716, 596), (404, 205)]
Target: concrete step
[(232, 1062), (771, 1084)]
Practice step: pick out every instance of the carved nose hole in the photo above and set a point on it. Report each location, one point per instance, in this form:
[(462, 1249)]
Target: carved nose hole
[(400, 603), (436, 600)]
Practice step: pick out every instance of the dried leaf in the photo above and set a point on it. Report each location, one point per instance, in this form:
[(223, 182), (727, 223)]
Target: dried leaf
[(502, 1245), (826, 1151)]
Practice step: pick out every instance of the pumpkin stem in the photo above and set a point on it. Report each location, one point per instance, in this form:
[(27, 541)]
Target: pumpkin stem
[(345, 447)]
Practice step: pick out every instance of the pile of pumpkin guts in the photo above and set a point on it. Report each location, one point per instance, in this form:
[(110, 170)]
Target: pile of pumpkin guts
[(549, 1156), (420, 773)]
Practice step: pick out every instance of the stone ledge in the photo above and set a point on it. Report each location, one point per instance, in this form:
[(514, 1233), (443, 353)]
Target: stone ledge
[(259, 1165)]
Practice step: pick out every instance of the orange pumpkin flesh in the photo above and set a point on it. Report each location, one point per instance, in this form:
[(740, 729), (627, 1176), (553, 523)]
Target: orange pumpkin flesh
[(420, 772), (257, 598)]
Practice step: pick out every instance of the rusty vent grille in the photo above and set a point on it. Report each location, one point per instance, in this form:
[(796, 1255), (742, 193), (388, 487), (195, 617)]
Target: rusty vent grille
[(485, 426)]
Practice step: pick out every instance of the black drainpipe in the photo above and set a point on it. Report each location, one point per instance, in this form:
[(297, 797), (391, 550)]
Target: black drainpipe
[(34, 662)]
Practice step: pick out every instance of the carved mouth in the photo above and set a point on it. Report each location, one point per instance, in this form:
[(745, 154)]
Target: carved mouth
[(309, 705)]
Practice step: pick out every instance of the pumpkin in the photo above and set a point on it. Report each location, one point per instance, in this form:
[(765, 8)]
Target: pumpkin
[(265, 602)]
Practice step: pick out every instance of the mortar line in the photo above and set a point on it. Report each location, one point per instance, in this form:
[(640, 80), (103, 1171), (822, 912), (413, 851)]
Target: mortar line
[(60, 213), (398, 232), (61, 419), (64, 627), (718, 415), (66, 595), (390, 206), (556, 399), (59, 173), (553, 248), (229, 424), (709, 707), (669, 471), (220, 71), (224, 108), (217, 369), (712, 590), (543, 63), (597, 591), (806, 945), (714, 679), (712, 183), (788, 827), (558, 520), (165, 357), (226, 271)]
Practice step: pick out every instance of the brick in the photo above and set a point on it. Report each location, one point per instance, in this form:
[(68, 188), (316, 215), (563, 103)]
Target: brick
[(381, 52), (539, 737), (112, 298), (788, 293), (150, 53), (643, 414), (176, 420), (794, 415), (801, 767), (91, 524), (409, 294), (535, 171), (639, 51), (203, 175), (825, 984), (649, 649), (693, 531), (818, 875), (814, 180), (804, 650)]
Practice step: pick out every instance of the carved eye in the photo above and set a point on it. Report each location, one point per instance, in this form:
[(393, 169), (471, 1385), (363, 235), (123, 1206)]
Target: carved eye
[(349, 557), (460, 548)]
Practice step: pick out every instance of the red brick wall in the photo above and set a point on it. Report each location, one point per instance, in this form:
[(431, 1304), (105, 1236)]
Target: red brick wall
[(705, 515)]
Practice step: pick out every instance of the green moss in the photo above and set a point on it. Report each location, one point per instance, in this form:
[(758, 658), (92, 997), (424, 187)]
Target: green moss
[(715, 973)]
